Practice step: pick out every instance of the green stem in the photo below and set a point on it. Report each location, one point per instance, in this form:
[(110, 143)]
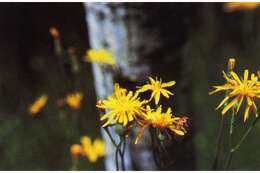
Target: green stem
[(230, 155), (117, 164), (245, 135), (215, 163), (75, 162), (122, 155), (110, 137)]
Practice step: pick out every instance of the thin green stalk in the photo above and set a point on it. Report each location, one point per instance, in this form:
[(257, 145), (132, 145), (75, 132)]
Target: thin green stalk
[(110, 137), (236, 147), (122, 155), (245, 135), (231, 129), (75, 162), (217, 156), (116, 159)]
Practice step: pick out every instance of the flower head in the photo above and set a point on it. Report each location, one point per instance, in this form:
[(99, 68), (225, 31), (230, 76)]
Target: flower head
[(54, 32), (100, 56), (75, 150), (74, 100), (158, 119), (92, 150), (123, 106), (239, 89), (237, 6), (38, 104), (157, 88)]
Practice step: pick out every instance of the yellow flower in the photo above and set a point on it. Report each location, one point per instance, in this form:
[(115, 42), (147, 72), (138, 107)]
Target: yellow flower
[(239, 89), (100, 56), (160, 120), (92, 150), (74, 100), (38, 104), (123, 106), (157, 88), (237, 6), (75, 150)]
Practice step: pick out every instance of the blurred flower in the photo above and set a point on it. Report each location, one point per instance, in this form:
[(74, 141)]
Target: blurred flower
[(157, 119), (239, 89), (92, 150), (38, 104), (157, 88), (54, 32), (60, 103), (123, 106), (75, 150), (237, 6), (74, 100), (100, 56), (72, 51)]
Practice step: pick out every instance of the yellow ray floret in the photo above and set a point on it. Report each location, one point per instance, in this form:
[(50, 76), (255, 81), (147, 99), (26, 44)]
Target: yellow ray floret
[(100, 56), (157, 119), (123, 106), (240, 89), (38, 104), (74, 100), (157, 88)]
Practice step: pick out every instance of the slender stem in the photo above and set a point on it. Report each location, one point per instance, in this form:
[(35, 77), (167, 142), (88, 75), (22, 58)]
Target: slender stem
[(245, 135), (117, 164), (122, 154), (110, 137), (75, 162), (230, 155), (217, 156)]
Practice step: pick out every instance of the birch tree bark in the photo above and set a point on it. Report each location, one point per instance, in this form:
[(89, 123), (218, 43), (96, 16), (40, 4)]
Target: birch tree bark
[(146, 40)]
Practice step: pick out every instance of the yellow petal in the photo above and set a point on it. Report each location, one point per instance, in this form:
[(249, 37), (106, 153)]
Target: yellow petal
[(232, 103), (168, 84), (157, 98), (239, 104), (139, 134), (222, 102), (234, 75), (246, 113)]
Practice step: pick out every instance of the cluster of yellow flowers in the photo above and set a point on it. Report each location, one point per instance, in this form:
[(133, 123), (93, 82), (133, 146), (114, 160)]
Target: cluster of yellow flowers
[(125, 107), (240, 89), (88, 149)]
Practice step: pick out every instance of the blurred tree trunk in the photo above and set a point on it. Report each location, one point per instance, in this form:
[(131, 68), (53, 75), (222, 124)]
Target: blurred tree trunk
[(147, 39)]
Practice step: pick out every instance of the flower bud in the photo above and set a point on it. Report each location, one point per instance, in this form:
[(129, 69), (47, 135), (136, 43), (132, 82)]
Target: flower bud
[(231, 64)]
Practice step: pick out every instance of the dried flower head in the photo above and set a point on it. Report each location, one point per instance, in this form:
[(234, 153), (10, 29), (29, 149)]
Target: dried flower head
[(158, 119)]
